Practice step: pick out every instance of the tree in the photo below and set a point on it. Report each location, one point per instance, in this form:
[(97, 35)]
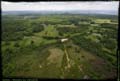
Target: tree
[(16, 44), (92, 22), (32, 42)]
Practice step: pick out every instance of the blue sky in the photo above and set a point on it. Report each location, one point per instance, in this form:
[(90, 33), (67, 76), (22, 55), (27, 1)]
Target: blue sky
[(37, 6)]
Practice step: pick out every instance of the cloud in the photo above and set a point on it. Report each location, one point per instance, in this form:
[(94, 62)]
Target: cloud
[(36, 6)]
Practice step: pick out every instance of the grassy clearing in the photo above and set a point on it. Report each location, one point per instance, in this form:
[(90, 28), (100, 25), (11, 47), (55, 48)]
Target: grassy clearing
[(102, 21)]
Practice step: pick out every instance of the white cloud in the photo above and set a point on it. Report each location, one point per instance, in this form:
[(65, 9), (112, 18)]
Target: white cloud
[(18, 6)]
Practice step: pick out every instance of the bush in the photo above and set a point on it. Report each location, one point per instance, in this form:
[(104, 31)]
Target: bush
[(16, 45)]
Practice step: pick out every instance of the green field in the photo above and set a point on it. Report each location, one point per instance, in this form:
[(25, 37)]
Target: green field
[(32, 47)]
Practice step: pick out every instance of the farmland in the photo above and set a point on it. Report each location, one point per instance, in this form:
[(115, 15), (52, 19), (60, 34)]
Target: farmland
[(32, 47)]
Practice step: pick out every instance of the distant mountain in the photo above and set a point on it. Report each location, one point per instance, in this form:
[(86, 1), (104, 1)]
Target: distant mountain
[(108, 12)]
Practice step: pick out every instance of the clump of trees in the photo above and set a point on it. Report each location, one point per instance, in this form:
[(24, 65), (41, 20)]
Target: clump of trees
[(17, 29), (36, 27)]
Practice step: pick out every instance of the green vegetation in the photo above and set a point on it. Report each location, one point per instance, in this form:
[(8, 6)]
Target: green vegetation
[(32, 47)]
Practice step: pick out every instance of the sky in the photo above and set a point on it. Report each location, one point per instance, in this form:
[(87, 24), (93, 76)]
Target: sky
[(57, 6)]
